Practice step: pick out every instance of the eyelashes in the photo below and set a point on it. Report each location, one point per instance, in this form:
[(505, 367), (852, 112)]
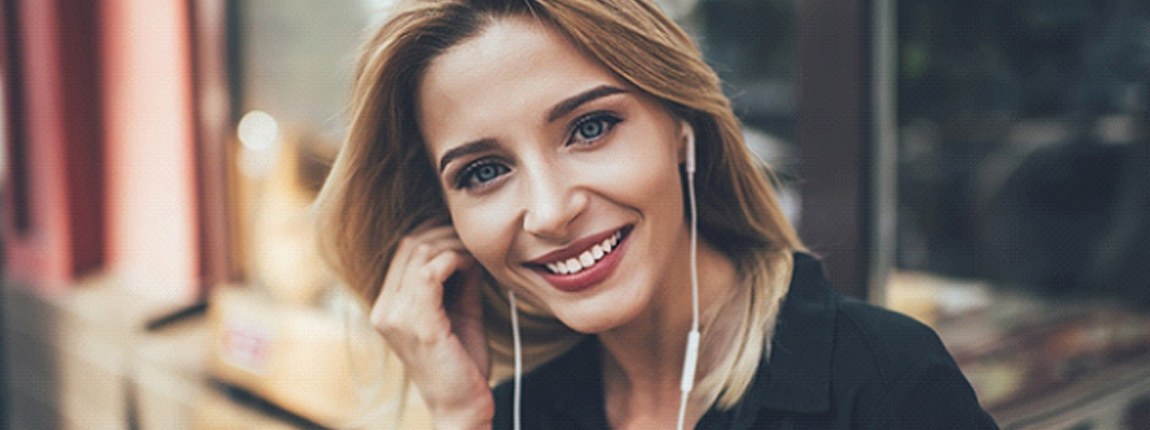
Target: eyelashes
[(479, 173), (586, 130), (592, 127)]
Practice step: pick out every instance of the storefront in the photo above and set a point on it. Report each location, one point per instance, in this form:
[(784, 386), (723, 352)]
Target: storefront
[(981, 166)]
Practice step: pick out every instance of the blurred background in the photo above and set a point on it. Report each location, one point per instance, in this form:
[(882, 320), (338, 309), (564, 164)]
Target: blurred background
[(983, 166)]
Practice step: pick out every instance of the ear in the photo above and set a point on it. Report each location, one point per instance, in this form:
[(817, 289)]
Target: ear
[(687, 133)]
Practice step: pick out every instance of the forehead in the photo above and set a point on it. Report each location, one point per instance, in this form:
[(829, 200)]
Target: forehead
[(515, 67)]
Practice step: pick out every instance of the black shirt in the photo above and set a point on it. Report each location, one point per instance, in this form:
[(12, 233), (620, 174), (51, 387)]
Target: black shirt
[(836, 363)]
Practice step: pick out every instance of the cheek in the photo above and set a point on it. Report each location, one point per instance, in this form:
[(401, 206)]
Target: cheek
[(482, 231), (645, 181)]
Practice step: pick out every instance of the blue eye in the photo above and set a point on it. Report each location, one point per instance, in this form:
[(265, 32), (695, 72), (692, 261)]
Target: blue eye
[(479, 173), (591, 128)]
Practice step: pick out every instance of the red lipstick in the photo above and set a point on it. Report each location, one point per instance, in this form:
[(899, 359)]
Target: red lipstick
[(589, 276)]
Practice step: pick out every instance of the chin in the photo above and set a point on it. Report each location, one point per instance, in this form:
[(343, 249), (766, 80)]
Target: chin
[(603, 313)]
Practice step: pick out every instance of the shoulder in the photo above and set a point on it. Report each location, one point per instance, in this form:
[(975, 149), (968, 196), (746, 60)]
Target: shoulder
[(814, 313), (863, 364), (894, 342), (898, 373), (861, 337)]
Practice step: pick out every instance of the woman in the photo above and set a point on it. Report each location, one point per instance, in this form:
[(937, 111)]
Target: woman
[(537, 149)]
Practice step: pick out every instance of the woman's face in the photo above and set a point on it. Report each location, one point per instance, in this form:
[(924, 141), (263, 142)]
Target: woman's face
[(562, 180)]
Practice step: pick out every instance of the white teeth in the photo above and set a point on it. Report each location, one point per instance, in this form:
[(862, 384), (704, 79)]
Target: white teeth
[(573, 265), (588, 258)]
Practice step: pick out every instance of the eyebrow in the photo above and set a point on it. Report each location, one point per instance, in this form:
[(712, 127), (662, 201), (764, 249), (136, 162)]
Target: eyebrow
[(558, 111), (464, 150), (570, 104)]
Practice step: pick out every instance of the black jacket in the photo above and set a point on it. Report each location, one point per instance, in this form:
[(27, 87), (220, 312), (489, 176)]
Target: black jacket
[(836, 363)]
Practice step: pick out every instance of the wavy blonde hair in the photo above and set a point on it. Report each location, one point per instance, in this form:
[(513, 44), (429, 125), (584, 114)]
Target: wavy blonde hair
[(382, 185)]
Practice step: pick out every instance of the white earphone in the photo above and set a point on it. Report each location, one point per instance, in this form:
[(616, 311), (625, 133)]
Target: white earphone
[(689, 136), (691, 355)]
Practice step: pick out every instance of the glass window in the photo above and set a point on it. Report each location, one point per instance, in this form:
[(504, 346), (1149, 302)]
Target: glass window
[(1024, 178)]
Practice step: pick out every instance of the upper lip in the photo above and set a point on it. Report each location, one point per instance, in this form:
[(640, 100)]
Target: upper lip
[(574, 249)]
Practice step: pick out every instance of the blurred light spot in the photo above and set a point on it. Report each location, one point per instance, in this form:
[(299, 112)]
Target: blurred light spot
[(257, 130)]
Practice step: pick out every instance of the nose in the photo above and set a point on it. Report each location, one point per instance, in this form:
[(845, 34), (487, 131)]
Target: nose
[(553, 202)]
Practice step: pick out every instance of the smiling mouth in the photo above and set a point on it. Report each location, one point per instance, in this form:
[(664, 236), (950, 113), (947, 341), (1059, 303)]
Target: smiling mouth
[(589, 257)]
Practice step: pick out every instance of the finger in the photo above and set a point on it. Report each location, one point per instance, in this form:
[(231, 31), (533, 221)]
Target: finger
[(409, 280), (415, 250), (424, 233), (438, 270), (432, 247), (413, 272), (415, 307), (439, 238)]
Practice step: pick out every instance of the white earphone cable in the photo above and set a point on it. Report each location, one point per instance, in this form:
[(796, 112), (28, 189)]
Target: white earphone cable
[(518, 396), (690, 361)]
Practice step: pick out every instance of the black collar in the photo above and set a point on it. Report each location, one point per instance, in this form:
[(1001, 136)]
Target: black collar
[(798, 376)]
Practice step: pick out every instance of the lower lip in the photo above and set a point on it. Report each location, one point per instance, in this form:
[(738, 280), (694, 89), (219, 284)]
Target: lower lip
[(589, 277)]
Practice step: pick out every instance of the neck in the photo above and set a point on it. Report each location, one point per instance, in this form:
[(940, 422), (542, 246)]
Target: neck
[(643, 360)]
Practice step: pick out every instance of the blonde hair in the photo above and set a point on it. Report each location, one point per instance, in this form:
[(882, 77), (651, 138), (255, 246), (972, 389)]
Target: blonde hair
[(382, 184)]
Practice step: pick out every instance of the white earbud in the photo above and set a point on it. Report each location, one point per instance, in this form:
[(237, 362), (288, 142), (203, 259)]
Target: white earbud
[(689, 136)]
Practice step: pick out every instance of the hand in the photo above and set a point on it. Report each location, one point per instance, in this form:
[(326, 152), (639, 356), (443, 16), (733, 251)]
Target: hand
[(440, 342)]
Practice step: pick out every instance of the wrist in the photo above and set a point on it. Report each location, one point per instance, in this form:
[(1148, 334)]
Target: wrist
[(474, 415), (441, 424)]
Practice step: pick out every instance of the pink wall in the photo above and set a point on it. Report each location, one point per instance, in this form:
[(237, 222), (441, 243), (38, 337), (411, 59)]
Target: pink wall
[(149, 133), (42, 255), (141, 115)]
